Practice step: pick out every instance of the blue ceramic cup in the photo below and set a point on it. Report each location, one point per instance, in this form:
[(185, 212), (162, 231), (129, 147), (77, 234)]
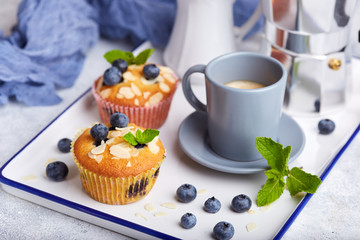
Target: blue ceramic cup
[(237, 116)]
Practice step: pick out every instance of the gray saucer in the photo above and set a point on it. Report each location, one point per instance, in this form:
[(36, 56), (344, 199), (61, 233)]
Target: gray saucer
[(193, 141)]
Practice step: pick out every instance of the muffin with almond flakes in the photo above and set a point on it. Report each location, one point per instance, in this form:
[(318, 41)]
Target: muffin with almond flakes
[(118, 164), (142, 91)]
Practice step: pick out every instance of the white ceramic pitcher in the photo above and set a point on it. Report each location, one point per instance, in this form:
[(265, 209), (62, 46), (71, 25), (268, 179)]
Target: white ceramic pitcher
[(203, 30)]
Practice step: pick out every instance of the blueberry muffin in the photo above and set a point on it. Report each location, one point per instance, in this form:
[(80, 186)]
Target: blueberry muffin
[(118, 162), (142, 91)]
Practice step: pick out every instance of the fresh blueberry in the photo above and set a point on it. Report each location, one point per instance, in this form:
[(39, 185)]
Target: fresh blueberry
[(112, 76), (119, 120), (223, 231), (186, 193), (99, 132), (212, 205), (140, 145), (151, 71), (326, 126), (120, 64), (57, 171), (317, 105), (64, 145), (241, 203), (188, 220)]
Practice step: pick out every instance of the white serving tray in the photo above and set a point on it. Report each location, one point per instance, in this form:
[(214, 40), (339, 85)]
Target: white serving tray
[(23, 176)]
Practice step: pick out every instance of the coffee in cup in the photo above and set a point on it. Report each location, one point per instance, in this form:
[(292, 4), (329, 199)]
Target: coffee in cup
[(244, 84), (235, 117)]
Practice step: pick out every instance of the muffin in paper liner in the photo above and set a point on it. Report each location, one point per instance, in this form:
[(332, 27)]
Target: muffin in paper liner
[(148, 117), (116, 190), (145, 102)]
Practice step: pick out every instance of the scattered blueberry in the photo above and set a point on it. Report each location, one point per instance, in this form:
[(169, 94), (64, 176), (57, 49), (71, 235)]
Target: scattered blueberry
[(317, 105), (188, 220), (57, 171), (212, 205), (241, 203), (151, 71), (223, 231), (64, 145), (99, 132), (112, 76), (119, 120), (186, 193), (326, 126), (120, 64)]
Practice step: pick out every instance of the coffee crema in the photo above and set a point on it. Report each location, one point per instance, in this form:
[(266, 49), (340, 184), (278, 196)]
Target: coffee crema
[(244, 84)]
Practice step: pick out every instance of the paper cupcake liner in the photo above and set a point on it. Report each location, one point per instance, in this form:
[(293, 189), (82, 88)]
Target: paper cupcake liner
[(147, 117), (116, 190)]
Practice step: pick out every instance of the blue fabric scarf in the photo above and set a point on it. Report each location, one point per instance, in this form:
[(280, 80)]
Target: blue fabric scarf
[(46, 50)]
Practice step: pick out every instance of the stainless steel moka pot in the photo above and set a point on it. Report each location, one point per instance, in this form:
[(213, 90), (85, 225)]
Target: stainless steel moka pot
[(311, 37)]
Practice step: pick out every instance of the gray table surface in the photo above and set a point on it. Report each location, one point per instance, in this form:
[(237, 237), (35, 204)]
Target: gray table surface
[(332, 213)]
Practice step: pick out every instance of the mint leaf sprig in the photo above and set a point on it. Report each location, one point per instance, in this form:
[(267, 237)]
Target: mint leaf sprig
[(141, 137), (277, 157), (129, 57)]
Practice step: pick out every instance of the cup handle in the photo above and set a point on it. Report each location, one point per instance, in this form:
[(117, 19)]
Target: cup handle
[(188, 92)]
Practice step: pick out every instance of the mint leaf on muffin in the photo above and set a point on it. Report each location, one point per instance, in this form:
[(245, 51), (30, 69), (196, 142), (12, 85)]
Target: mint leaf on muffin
[(278, 157), (113, 55), (143, 56), (129, 57), (141, 137)]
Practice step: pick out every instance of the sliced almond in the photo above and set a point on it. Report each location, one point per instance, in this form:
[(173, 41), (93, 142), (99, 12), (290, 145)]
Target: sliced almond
[(105, 93), (29, 177), (141, 216), (135, 67), (159, 79), (120, 150), (153, 146), (135, 89), (252, 211), (128, 164), (126, 92), (114, 134), (120, 96), (146, 94), (160, 214), (136, 102), (165, 69), (147, 82), (123, 131), (134, 152), (99, 149), (251, 227), (98, 158), (90, 155), (169, 205), (155, 99), (99, 84), (110, 141), (128, 76), (164, 87), (170, 77), (149, 207), (265, 208)]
